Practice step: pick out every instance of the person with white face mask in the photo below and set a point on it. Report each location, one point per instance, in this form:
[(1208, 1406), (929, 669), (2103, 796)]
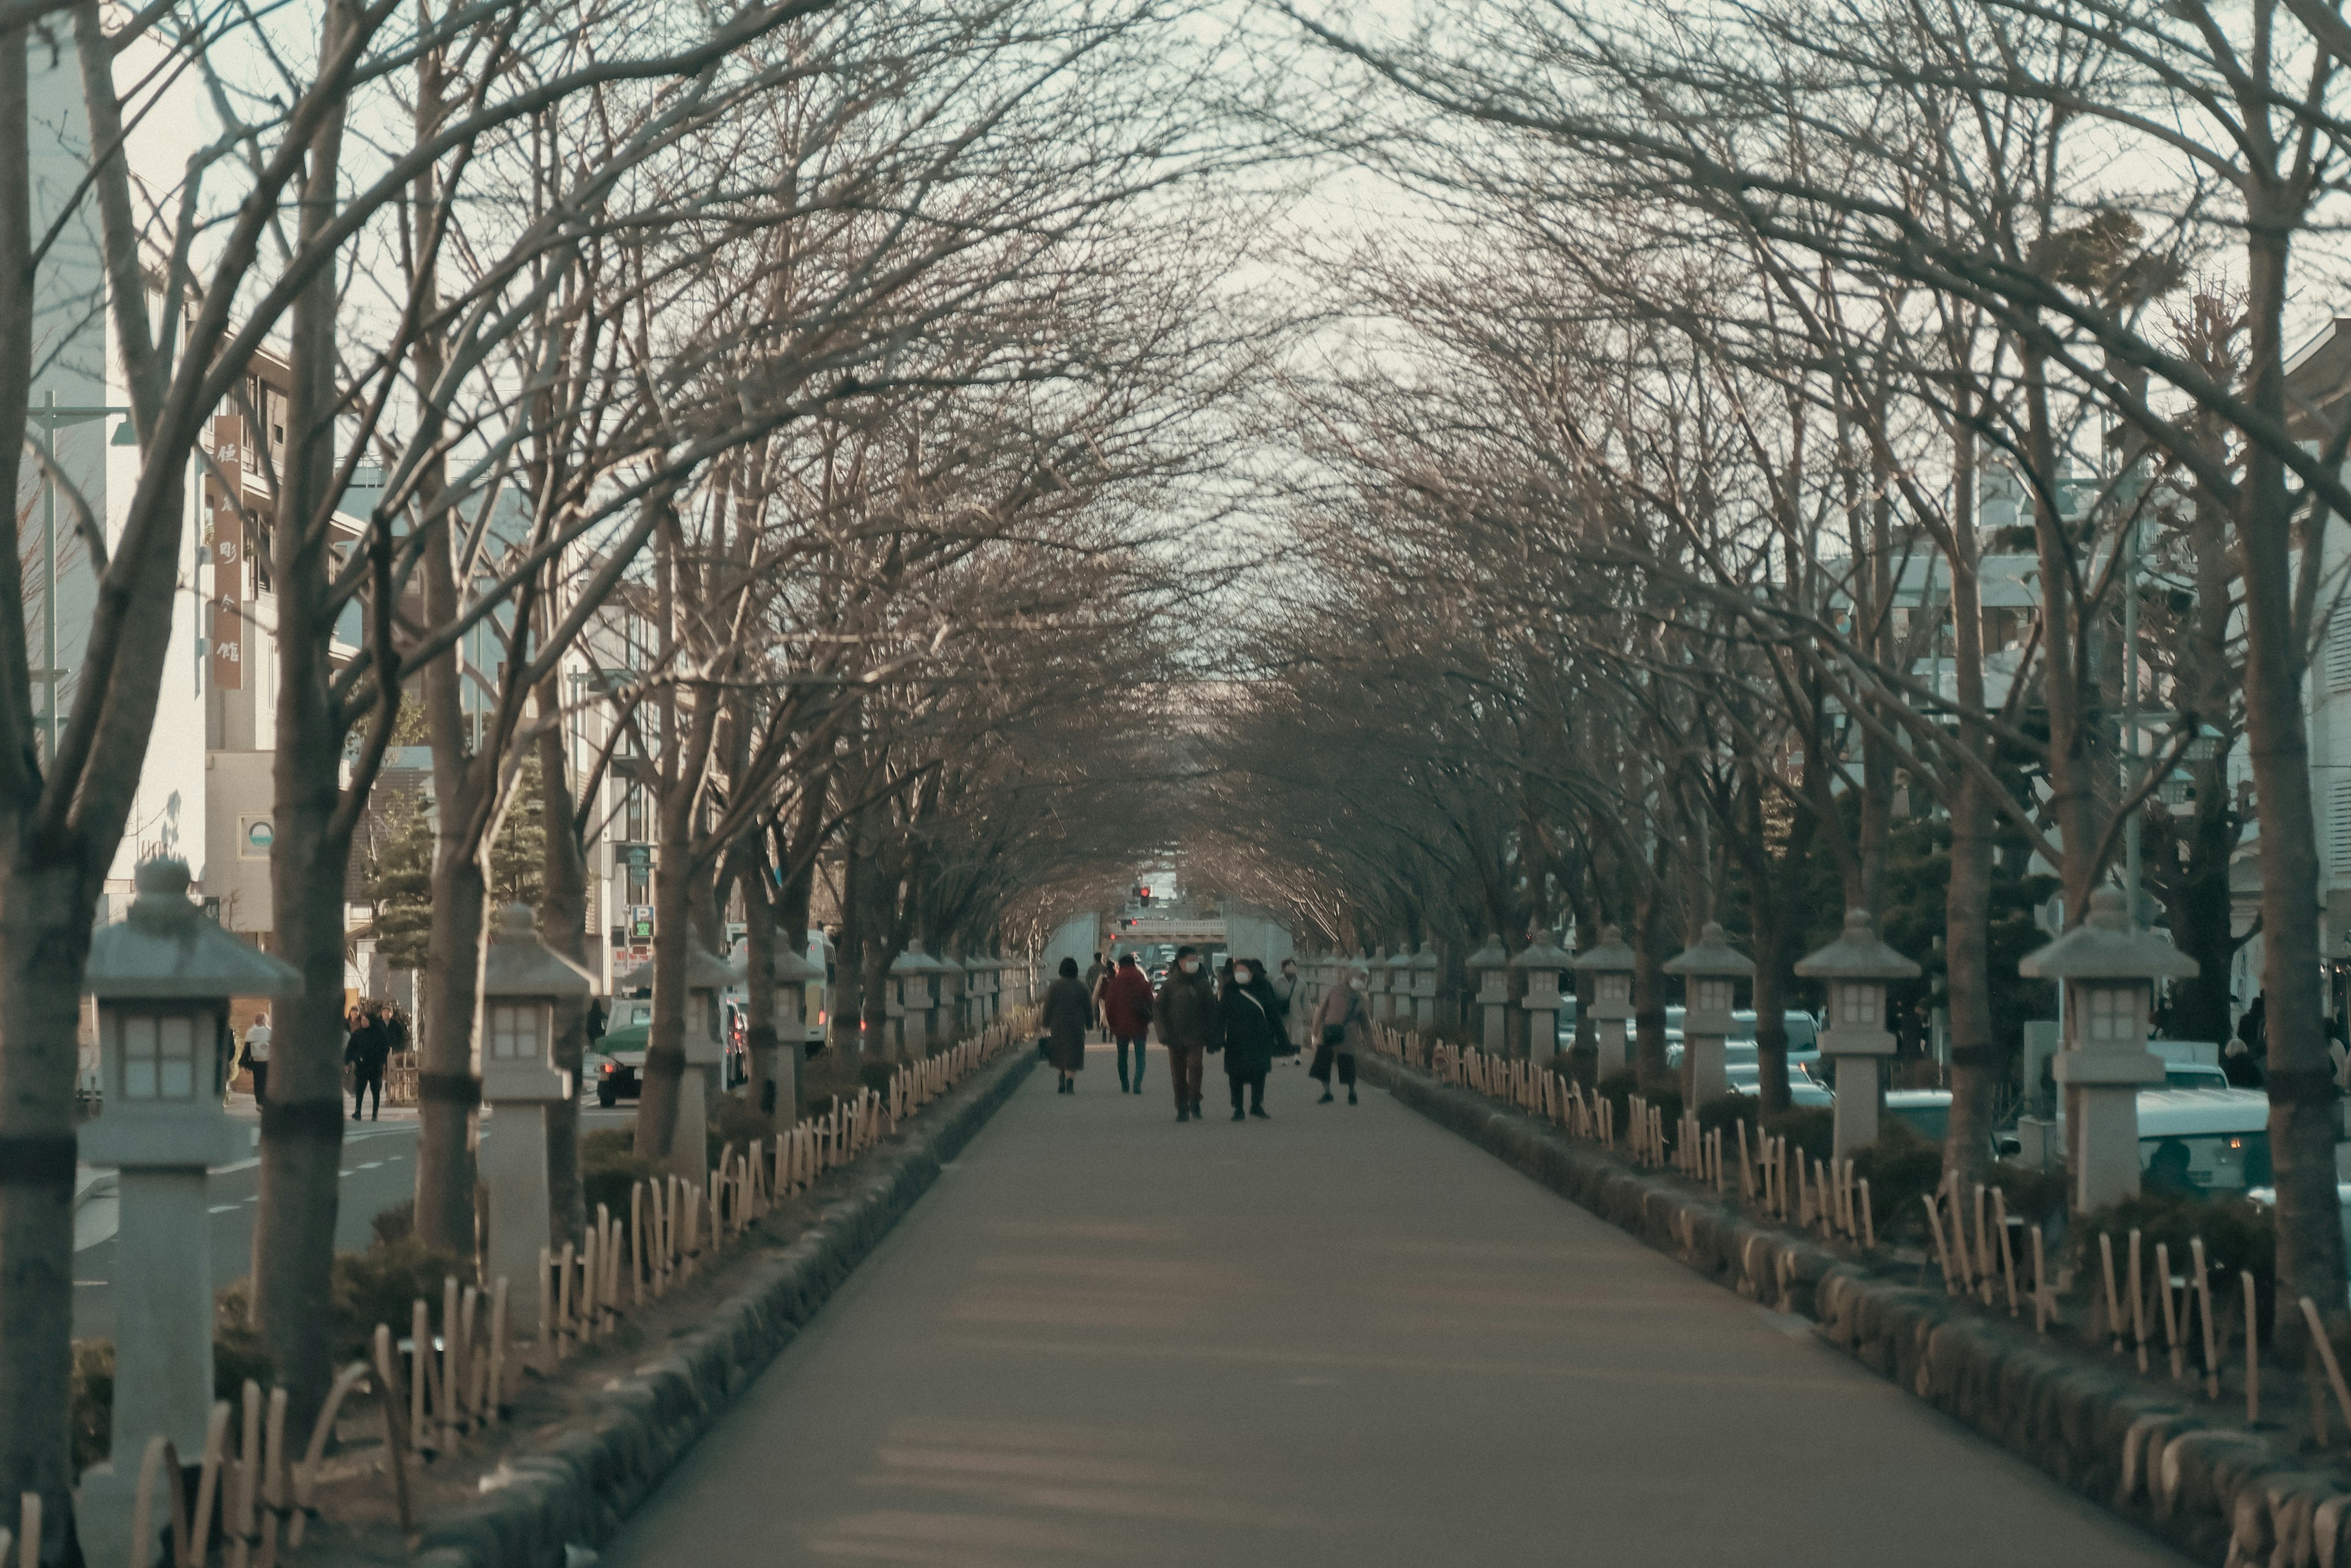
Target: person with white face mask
[(1186, 1018), (1342, 1026), (1252, 1020)]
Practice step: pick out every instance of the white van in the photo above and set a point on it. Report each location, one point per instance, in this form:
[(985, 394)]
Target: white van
[(2203, 1140)]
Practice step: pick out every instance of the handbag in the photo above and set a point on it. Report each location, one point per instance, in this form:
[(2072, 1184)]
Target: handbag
[(1334, 1035)]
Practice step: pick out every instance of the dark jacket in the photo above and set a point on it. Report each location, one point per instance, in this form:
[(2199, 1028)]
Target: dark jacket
[(1067, 1013), (1187, 1012), (368, 1048), (1252, 1020)]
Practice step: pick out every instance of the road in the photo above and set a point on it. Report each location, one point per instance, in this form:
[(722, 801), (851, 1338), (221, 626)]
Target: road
[(1339, 1337), (379, 1170)]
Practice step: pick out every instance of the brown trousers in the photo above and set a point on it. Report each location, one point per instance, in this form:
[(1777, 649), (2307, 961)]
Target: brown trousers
[(1184, 1065)]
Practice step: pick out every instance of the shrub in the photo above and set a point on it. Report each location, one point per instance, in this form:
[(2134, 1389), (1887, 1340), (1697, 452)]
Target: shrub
[(381, 1285), (1618, 1089), (395, 1223), (1811, 1128), (608, 1167), (2036, 1197), (876, 1075), (92, 1402), (1719, 1116), (2237, 1235), (736, 1122), (1901, 1168)]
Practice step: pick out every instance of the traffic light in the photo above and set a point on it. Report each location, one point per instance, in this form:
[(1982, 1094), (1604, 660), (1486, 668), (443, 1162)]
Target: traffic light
[(1145, 894)]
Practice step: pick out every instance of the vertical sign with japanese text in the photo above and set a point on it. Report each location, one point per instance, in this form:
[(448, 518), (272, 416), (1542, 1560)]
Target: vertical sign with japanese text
[(227, 535)]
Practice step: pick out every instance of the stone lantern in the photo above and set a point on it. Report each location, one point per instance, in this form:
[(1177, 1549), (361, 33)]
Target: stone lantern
[(1400, 985), (1375, 984), (162, 978), (1856, 968), (2110, 966), (1541, 961), (793, 973), (523, 981), (1711, 971), (706, 975), (1491, 966), (1609, 965), (1422, 968), (910, 985)]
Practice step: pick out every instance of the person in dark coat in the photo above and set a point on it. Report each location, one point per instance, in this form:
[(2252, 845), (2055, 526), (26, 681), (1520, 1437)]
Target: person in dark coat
[(1068, 1012), (1189, 1027), (1251, 1013), (365, 1053), (1126, 1007)]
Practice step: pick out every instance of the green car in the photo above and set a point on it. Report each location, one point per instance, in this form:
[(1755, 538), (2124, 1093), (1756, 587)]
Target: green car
[(615, 1064)]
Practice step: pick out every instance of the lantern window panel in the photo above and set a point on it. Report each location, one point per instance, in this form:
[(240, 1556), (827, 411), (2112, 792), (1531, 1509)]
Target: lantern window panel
[(514, 1031), (159, 1056), (1856, 1005), (1615, 987), (1714, 995), (2117, 1014)]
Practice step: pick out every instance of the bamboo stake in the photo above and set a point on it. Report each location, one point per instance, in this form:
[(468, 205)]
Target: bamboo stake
[(2326, 1353), (306, 1474), (1869, 1221), (2007, 1247), (452, 1374), (273, 1477), (1746, 1176), (1942, 1253), (248, 1474), (545, 1300), (142, 1502), (468, 1307), (1982, 1261), (28, 1541), (2204, 1307), (179, 1554), (590, 1276), (2252, 1352), (420, 1364), (2170, 1316), (208, 1484), (395, 1440)]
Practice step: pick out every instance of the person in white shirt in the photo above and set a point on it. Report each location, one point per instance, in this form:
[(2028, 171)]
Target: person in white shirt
[(256, 1057)]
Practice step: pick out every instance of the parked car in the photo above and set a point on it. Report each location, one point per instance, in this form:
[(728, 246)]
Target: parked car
[(615, 1064), (2223, 1132), (1926, 1111), (1802, 1090)]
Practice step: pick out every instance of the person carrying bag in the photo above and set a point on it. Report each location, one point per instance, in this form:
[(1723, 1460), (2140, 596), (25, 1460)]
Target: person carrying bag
[(1343, 1027)]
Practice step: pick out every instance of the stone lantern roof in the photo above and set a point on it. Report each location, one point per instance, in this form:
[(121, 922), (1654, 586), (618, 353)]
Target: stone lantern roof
[(1610, 953), (1422, 960), (1860, 954), (914, 961), (1545, 953), (1401, 959), (165, 947), (793, 967), (519, 965), (1711, 955), (705, 971), (1492, 956), (2108, 945)]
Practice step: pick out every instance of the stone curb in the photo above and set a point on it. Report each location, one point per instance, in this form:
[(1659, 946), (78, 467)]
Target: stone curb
[(579, 1485), (2217, 1493)]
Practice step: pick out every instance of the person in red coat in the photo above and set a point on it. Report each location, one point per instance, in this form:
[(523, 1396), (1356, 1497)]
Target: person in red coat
[(1126, 1009)]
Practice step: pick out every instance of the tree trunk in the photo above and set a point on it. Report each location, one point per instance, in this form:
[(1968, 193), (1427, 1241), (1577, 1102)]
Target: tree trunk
[(448, 1087), (1649, 992), (302, 1128), (2301, 1080), (563, 926), (759, 1038), (1979, 1067), (657, 1100)]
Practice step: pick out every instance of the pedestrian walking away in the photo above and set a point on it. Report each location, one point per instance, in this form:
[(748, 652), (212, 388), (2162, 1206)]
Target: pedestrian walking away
[(1066, 1012), (365, 1053), (256, 1057), (1189, 1027), (1126, 1004), (1285, 986), (1093, 981), (1251, 1014), (1343, 1027)]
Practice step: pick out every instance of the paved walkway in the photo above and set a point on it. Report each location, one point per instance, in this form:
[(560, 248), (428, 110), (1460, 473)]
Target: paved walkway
[(1341, 1337)]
